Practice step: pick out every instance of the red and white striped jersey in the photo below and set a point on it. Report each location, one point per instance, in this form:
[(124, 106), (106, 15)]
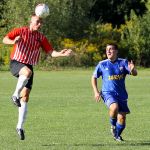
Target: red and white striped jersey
[(27, 50)]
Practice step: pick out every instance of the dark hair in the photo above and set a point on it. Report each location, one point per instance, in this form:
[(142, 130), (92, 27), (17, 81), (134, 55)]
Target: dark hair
[(114, 45)]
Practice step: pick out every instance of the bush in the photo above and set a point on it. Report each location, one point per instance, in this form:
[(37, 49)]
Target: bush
[(5, 55), (136, 38), (87, 51)]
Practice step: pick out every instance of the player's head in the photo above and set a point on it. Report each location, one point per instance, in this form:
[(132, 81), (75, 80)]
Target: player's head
[(112, 51), (35, 23)]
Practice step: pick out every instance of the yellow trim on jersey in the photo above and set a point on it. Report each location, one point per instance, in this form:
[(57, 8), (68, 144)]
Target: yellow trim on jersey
[(116, 77)]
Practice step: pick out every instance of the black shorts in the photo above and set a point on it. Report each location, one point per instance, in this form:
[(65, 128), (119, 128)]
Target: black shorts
[(16, 66)]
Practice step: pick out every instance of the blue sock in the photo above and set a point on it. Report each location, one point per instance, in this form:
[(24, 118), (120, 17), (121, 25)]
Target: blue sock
[(113, 121), (119, 129)]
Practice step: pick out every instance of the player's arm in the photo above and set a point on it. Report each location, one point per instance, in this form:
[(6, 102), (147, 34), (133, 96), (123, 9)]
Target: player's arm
[(95, 89), (50, 51), (13, 36), (132, 68), (7, 40)]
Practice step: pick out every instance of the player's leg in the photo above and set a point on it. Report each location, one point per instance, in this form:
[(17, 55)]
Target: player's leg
[(112, 103), (23, 109), (113, 111), (121, 119), (120, 125)]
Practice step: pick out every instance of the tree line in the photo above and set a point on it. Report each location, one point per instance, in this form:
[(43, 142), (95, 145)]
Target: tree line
[(86, 26)]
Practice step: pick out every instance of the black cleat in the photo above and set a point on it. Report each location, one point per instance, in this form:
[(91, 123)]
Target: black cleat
[(20, 133), (16, 101)]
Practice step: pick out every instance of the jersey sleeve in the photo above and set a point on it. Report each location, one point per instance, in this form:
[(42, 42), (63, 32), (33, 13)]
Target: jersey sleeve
[(97, 72), (126, 66), (15, 32), (47, 47)]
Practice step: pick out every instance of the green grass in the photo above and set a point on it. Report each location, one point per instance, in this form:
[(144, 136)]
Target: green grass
[(62, 114)]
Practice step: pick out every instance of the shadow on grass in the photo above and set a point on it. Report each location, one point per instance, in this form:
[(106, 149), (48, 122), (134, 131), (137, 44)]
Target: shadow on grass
[(126, 143)]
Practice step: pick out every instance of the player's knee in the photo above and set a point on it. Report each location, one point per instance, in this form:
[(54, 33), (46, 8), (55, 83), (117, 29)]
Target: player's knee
[(113, 108), (26, 71), (25, 97), (121, 119), (25, 94)]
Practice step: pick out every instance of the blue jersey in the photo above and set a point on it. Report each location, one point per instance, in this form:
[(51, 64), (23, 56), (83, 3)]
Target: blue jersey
[(113, 77)]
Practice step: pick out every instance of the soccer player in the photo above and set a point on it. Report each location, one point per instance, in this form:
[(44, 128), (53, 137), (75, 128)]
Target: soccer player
[(113, 71), (27, 42)]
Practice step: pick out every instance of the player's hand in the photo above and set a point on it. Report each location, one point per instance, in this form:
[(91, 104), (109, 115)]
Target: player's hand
[(66, 52), (131, 65), (17, 39), (97, 97), (132, 68)]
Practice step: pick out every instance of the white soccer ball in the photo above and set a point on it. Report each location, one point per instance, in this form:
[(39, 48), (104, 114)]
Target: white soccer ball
[(42, 10)]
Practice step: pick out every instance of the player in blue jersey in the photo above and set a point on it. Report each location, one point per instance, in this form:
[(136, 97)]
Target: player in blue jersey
[(113, 71)]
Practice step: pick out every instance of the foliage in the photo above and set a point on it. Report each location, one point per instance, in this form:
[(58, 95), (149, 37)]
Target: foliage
[(117, 11), (2, 8), (88, 51), (67, 19), (4, 55), (137, 39)]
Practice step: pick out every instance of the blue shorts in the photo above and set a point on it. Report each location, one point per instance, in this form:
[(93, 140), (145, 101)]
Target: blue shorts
[(109, 99)]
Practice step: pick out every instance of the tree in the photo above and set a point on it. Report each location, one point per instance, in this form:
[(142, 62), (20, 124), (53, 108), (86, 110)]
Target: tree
[(69, 18), (117, 11), (2, 4)]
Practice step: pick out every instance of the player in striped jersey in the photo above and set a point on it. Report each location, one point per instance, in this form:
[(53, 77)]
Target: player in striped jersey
[(113, 71), (27, 42)]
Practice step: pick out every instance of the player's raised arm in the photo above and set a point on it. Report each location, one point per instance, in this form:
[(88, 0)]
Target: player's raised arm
[(132, 68)]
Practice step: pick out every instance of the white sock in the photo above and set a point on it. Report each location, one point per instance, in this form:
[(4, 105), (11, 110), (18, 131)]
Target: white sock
[(22, 114), (22, 81)]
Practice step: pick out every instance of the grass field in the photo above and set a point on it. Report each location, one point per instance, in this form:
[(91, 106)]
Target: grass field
[(62, 114)]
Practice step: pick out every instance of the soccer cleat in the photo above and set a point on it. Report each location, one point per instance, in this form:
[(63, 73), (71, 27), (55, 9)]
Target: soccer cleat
[(119, 139), (16, 101), (113, 131), (20, 133)]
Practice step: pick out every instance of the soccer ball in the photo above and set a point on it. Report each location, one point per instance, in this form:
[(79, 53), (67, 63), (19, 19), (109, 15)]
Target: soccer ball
[(42, 10)]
